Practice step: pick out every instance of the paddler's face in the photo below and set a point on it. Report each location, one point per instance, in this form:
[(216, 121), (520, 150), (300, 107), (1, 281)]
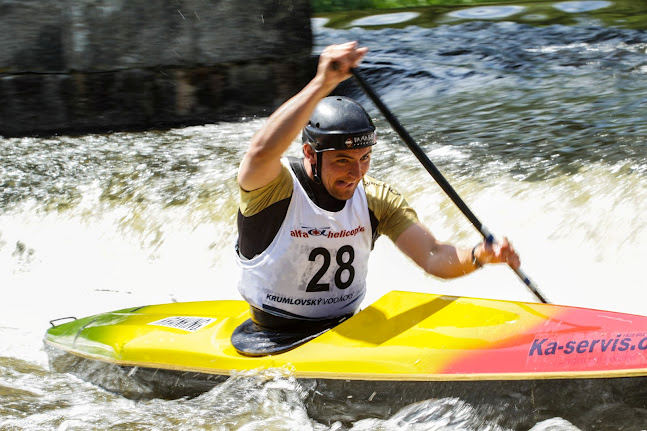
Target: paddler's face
[(342, 170)]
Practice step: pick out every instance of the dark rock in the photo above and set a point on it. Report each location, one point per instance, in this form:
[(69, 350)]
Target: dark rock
[(92, 65)]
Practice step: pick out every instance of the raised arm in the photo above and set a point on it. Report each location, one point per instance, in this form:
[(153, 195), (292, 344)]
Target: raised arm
[(262, 162), (447, 261)]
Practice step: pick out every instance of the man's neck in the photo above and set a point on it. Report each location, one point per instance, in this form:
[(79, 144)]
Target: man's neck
[(317, 192)]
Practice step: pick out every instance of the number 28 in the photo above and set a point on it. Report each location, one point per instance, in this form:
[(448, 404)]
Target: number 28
[(345, 256)]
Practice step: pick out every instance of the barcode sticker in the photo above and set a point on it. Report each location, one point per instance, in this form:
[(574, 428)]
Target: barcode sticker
[(186, 323)]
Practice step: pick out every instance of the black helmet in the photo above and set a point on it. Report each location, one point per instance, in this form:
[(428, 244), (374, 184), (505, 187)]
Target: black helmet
[(339, 123)]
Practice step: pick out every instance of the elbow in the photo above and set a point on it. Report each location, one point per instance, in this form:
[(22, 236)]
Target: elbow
[(436, 271), (444, 275)]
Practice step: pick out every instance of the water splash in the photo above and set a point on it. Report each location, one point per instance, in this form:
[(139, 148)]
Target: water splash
[(447, 414)]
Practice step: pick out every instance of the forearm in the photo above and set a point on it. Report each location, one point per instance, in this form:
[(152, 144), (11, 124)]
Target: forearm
[(261, 163), (284, 125), (439, 259), (447, 261)]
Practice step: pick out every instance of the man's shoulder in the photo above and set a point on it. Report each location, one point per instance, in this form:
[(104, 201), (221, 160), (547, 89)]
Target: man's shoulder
[(254, 201), (379, 189), (389, 207)]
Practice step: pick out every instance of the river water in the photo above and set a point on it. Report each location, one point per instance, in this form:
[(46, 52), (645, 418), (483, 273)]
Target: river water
[(541, 130)]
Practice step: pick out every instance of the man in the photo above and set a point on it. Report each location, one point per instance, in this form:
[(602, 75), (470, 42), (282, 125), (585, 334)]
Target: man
[(307, 226)]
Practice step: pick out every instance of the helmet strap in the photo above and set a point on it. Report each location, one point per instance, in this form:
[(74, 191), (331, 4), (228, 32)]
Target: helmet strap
[(316, 169)]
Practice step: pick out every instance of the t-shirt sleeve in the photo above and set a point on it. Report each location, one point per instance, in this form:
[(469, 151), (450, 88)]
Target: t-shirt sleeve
[(391, 209), (255, 201)]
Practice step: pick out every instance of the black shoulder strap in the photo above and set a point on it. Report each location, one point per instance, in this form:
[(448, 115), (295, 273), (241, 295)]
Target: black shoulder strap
[(300, 171)]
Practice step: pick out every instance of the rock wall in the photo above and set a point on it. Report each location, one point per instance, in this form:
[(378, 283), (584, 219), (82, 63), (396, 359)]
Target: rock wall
[(94, 65)]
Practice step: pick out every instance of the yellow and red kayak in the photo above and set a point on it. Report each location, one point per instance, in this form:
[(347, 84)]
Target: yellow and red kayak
[(402, 337)]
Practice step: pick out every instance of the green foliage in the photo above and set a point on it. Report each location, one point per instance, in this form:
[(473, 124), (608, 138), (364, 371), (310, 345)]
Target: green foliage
[(344, 5)]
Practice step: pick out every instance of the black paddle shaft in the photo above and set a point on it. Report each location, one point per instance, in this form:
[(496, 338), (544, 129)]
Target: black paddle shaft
[(435, 173)]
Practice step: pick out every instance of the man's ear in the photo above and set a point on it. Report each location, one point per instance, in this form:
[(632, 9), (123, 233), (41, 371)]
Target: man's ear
[(309, 154)]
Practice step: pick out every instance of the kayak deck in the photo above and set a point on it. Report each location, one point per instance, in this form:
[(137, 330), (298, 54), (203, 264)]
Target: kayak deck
[(403, 336)]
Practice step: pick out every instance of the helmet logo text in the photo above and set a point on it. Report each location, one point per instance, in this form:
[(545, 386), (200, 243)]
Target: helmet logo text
[(360, 141)]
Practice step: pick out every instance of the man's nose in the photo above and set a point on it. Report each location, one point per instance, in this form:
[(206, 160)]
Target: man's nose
[(355, 169)]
